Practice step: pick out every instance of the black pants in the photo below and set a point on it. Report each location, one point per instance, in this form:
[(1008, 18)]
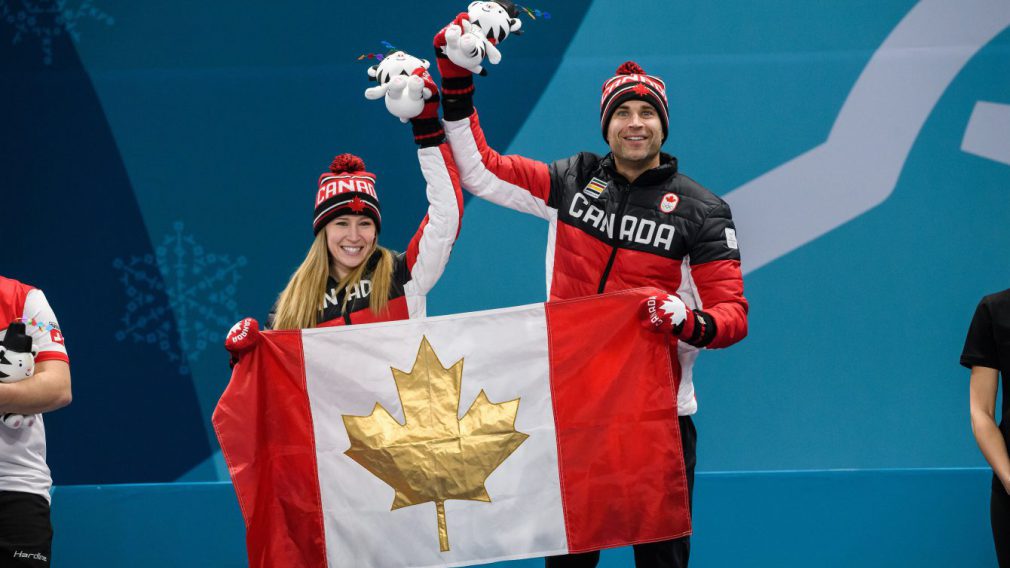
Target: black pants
[(999, 513), (663, 554), (26, 535)]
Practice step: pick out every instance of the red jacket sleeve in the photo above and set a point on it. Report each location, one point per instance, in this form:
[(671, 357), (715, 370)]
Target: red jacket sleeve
[(715, 269), (513, 181)]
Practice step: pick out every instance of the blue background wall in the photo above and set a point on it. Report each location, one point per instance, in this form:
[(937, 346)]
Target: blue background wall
[(159, 162)]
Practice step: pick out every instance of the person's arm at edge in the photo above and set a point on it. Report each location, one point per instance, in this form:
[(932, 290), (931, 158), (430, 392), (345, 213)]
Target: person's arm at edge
[(982, 403), (47, 390)]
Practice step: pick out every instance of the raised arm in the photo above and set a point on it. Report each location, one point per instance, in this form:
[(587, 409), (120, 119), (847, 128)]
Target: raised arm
[(431, 245), (429, 249), (515, 182)]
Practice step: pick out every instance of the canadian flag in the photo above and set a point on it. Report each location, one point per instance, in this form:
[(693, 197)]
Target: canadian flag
[(456, 440)]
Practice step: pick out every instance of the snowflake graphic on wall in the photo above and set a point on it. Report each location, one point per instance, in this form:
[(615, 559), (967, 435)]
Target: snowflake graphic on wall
[(48, 19), (180, 282)]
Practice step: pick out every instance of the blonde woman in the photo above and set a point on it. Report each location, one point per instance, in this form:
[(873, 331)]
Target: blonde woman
[(347, 277)]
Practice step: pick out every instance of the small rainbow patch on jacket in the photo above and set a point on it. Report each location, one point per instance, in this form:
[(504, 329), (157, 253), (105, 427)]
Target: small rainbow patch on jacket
[(595, 187)]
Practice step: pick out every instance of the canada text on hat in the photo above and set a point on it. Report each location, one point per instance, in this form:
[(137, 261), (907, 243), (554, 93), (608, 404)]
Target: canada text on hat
[(347, 189), (331, 185)]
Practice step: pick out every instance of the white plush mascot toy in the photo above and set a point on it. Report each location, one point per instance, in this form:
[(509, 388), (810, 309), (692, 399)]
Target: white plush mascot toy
[(401, 86), (17, 363), (471, 39)]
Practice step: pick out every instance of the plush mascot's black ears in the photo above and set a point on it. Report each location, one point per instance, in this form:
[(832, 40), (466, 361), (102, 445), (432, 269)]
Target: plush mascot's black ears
[(17, 339)]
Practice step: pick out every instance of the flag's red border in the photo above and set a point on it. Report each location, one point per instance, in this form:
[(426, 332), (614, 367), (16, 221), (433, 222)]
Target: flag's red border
[(631, 517)]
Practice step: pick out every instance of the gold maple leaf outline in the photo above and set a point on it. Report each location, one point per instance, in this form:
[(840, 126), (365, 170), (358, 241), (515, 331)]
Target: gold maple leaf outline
[(434, 456)]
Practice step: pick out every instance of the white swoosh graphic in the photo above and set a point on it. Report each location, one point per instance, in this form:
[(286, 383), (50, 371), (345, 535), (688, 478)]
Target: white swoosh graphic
[(988, 132), (858, 166)]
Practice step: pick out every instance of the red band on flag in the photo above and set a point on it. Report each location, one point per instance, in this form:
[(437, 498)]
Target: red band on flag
[(265, 431), (615, 406)]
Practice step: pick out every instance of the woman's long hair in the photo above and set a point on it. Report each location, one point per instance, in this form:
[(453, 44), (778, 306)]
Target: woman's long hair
[(300, 304)]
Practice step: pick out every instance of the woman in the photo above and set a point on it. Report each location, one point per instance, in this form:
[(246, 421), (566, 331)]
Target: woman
[(987, 354), (347, 277)]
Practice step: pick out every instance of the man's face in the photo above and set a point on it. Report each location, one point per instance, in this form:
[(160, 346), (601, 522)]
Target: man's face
[(635, 133)]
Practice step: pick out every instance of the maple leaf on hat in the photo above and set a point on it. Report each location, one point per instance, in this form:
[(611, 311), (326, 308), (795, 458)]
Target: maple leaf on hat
[(434, 456), (357, 204), (641, 89)]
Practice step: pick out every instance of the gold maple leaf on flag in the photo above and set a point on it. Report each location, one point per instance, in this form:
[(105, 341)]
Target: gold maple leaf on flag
[(434, 456)]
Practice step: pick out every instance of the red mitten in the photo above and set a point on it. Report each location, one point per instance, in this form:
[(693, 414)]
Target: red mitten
[(426, 126), (430, 93), (242, 337), (669, 313), (446, 68), (666, 313)]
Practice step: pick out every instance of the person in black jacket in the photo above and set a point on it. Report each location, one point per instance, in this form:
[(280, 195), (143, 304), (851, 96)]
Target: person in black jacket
[(987, 353), (625, 220)]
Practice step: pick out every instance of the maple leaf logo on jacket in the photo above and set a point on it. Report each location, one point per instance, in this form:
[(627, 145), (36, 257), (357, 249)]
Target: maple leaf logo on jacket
[(433, 455)]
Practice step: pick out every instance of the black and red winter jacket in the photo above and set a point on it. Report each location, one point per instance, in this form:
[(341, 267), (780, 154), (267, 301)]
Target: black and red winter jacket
[(662, 230)]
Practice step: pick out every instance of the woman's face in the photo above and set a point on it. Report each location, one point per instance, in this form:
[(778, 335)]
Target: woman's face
[(350, 239)]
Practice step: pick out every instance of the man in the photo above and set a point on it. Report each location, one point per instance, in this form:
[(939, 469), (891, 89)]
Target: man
[(25, 530), (625, 220)]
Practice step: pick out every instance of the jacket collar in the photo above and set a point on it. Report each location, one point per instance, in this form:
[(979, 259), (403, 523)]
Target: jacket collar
[(666, 169)]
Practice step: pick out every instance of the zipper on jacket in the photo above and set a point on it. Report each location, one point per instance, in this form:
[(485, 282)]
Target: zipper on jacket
[(613, 253), (344, 313)]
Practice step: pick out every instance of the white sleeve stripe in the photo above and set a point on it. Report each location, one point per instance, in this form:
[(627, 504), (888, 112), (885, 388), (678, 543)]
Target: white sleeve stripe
[(436, 242), (552, 236), (480, 181), (688, 290)]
